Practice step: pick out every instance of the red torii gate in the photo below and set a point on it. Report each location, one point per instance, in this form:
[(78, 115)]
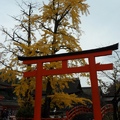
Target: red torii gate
[(92, 68)]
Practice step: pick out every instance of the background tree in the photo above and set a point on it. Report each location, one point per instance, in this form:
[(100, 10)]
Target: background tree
[(17, 42), (114, 87), (59, 26)]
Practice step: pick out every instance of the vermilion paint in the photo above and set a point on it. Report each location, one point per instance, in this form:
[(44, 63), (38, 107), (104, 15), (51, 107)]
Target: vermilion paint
[(92, 68)]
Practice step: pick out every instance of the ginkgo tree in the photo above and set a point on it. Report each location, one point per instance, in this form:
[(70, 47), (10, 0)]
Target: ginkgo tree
[(17, 42), (55, 28)]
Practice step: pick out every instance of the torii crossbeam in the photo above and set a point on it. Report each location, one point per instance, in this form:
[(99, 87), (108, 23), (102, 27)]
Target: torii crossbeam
[(92, 68)]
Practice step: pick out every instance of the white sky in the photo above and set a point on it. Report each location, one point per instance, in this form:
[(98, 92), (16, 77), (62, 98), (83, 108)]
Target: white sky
[(101, 27)]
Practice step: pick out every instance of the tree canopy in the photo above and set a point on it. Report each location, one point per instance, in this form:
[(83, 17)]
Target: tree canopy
[(54, 29)]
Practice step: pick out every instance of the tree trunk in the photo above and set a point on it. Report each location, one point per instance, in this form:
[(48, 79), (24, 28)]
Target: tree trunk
[(115, 109), (46, 106)]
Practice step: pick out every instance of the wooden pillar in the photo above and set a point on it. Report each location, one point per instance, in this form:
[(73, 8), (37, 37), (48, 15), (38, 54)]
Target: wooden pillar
[(95, 89), (38, 92)]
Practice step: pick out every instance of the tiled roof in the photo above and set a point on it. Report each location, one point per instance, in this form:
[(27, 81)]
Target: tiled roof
[(9, 103)]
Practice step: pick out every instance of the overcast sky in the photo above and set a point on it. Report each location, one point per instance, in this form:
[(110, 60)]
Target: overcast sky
[(101, 27)]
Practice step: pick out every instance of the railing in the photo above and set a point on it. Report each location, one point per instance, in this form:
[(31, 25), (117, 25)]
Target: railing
[(41, 119), (107, 108), (75, 111)]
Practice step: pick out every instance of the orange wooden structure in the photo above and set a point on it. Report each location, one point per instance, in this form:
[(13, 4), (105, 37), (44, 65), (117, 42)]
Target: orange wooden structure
[(76, 111), (108, 108), (92, 68), (84, 109), (105, 109)]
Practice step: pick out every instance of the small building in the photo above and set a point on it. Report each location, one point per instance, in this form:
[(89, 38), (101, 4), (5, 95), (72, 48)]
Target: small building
[(8, 100), (82, 92)]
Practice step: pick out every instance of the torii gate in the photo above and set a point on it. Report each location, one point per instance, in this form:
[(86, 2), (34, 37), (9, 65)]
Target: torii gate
[(92, 68)]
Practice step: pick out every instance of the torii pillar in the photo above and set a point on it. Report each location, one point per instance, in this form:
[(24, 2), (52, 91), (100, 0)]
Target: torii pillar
[(92, 68)]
